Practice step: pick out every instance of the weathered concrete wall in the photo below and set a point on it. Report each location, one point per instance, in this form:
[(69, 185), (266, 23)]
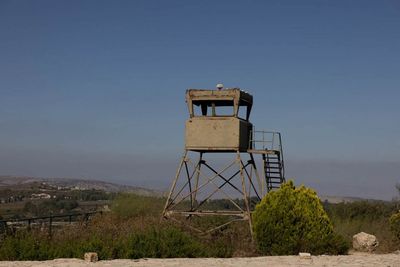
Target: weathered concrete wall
[(217, 134)]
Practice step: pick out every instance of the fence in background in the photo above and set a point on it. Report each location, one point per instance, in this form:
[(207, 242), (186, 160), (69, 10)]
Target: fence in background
[(10, 226)]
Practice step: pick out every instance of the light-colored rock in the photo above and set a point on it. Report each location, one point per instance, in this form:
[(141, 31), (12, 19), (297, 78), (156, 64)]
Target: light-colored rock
[(365, 242), (305, 255), (91, 257)]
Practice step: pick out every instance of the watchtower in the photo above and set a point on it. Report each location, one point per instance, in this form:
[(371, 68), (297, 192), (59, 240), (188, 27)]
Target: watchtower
[(216, 129), (219, 123)]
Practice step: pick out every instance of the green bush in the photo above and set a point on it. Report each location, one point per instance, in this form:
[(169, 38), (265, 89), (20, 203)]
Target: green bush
[(395, 225), (292, 220)]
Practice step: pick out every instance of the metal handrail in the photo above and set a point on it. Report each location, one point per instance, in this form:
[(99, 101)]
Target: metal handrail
[(269, 140), (265, 140)]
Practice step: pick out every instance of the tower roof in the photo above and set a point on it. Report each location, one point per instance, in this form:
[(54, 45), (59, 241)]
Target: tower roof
[(220, 97), (205, 98)]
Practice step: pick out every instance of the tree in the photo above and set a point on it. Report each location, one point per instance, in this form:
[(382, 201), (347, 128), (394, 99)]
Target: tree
[(292, 220)]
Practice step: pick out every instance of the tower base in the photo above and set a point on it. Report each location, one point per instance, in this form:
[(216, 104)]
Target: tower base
[(228, 193)]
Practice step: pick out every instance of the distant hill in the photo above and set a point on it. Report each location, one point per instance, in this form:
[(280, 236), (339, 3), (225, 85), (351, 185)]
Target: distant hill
[(338, 199), (78, 184), (81, 184)]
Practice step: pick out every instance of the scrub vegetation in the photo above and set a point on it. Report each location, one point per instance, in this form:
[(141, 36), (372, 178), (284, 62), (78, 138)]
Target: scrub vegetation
[(287, 221), (373, 217), (132, 229)]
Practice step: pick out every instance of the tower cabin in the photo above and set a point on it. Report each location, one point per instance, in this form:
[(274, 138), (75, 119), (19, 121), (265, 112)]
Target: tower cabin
[(219, 120)]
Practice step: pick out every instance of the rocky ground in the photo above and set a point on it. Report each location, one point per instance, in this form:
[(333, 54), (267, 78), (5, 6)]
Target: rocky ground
[(392, 260)]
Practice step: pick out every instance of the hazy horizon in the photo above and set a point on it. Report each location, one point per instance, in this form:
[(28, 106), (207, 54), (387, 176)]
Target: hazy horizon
[(327, 177), (95, 89)]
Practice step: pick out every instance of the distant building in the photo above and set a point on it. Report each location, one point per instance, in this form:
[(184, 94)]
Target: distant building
[(40, 196)]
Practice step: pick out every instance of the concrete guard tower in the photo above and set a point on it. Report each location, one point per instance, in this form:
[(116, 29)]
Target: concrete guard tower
[(219, 123)]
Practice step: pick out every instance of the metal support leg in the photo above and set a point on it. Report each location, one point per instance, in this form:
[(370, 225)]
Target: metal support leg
[(264, 181), (178, 172), (246, 201), (196, 186), (259, 180)]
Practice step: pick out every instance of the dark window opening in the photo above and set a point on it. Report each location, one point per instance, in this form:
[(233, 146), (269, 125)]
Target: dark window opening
[(214, 108)]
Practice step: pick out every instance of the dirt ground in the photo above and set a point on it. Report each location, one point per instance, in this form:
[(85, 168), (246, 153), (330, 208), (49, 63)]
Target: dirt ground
[(392, 260)]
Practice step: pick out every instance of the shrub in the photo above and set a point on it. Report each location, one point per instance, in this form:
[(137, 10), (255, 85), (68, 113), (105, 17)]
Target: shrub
[(395, 225), (291, 220)]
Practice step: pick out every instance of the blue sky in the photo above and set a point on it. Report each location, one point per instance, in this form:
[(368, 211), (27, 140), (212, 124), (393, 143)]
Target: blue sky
[(95, 89)]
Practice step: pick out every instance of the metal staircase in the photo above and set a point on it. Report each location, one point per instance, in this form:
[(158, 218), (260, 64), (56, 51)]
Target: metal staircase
[(269, 145), (273, 168)]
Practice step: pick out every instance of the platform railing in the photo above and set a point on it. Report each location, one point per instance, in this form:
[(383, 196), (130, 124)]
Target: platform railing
[(266, 140)]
